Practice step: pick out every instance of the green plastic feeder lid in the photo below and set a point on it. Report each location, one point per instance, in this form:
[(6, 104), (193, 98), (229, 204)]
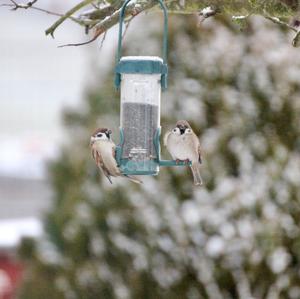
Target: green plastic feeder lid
[(141, 65)]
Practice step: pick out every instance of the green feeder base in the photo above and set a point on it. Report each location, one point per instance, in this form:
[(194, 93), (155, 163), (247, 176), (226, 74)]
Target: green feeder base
[(145, 167)]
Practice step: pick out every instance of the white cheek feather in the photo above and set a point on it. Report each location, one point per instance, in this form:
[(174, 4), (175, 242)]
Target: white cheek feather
[(103, 138)]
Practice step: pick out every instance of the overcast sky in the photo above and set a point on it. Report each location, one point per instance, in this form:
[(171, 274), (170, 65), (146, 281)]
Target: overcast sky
[(37, 80)]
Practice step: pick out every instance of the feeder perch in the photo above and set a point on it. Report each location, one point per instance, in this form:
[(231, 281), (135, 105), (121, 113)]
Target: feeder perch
[(141, 79)]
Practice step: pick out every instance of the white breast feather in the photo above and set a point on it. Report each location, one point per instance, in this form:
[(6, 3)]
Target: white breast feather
[(180, 147), (105, 148)]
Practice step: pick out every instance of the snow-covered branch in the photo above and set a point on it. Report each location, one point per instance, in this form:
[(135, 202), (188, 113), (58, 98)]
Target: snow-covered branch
[(101, 15)]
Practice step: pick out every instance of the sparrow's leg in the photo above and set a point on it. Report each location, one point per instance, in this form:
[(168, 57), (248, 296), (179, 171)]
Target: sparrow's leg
[(186, 161), (177, 161)]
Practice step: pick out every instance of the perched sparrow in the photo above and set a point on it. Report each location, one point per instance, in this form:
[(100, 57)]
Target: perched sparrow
[(103, 151), (183, 144)]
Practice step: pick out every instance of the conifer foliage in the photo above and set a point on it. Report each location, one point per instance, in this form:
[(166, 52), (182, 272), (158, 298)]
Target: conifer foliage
[(236, 237)]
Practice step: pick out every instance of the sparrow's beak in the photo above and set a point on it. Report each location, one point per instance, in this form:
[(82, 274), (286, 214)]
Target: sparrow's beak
[(182, 129), (108, 133)]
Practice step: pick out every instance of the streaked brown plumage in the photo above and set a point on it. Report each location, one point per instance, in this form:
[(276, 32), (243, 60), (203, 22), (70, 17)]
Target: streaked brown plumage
[(103, 152)]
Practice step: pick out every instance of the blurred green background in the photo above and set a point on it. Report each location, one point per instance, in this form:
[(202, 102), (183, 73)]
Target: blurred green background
[(236, 237)]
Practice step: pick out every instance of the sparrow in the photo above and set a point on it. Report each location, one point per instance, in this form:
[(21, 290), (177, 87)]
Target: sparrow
[(103, 152), (183, 145)]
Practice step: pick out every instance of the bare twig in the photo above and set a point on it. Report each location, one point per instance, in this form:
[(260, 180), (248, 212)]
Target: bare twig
[(102, 41), (46, 11), (74, 19), (35, 8), (6, 4), (81, 44), (101, 28), (98, 13), (279, 22), (296, 39), (22, 5), (127, 26), (67, 15), (132, 10), (111, 20)]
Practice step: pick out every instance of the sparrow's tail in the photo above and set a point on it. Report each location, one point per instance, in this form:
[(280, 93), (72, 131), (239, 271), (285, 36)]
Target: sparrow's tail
[(196, 173), (134, 179)]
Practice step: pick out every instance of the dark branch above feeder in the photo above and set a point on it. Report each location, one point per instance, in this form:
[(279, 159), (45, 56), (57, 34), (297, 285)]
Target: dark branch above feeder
[(101, 16)]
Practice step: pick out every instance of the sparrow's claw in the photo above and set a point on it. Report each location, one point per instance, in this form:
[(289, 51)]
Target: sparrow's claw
[(177, 161), (186, 161)]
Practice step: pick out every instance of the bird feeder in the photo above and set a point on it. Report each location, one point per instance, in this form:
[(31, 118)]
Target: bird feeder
[(141, 79)]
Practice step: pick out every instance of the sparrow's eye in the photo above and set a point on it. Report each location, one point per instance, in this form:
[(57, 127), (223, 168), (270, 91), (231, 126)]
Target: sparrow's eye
[(99, 135), (188, 130), (175, 130)]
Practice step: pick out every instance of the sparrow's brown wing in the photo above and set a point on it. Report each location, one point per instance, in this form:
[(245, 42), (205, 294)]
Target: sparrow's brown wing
[(199, 153), (114, 152), (197, 147), (99, 161)]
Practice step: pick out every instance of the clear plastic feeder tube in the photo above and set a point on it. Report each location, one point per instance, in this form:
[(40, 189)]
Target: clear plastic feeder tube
[(140, 114)]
